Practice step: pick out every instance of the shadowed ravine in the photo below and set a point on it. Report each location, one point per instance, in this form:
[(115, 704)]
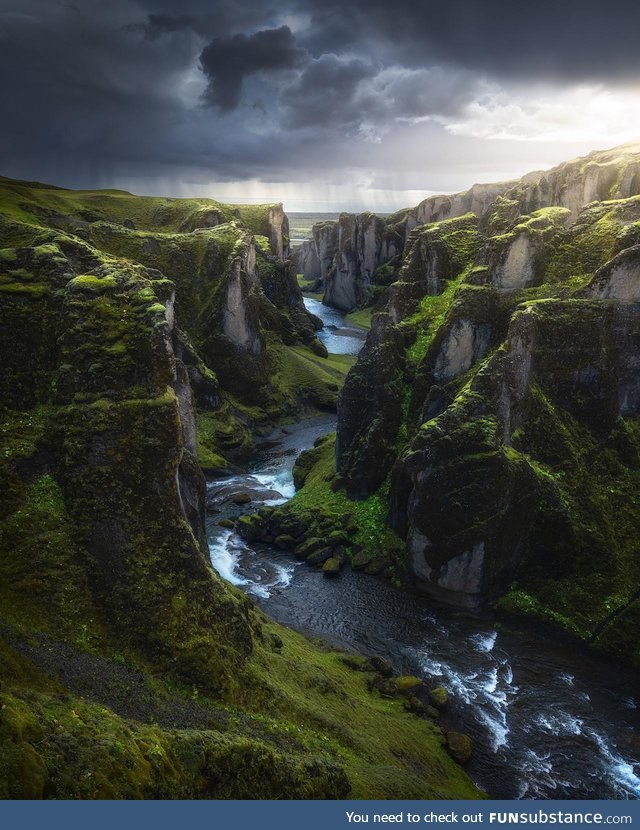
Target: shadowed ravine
[(548, 721)]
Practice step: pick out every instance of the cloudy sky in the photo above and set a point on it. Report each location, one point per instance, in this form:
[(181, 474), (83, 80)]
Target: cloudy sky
[(322, 104)]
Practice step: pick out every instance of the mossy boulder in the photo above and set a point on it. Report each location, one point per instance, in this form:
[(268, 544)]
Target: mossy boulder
[(439, 697), (241, 498), (319, 557), (332, 566), (407, 684), (459, 746), (309, 546), (361, 559), (250, 528), (318, 347)]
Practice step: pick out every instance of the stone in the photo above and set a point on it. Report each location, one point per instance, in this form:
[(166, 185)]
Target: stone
[(380, 665), (241, 498), (459, 746), (331, 567), (319, 557), (248, 528), (318, 347), (336, 538), (439, 697), (407, 684), (376, 565), (415, 705), (227, 523), (309, 546)]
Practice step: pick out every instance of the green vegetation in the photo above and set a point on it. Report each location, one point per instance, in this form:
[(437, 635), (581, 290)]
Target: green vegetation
[(306, 286), (129, 668), (499, 403), (322, 505), (361, 317)]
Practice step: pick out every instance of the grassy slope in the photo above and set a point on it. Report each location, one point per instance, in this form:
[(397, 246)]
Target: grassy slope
[(129, 669)]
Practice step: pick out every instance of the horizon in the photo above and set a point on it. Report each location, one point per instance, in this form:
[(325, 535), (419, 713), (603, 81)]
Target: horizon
[(321, 106), (337, 207)]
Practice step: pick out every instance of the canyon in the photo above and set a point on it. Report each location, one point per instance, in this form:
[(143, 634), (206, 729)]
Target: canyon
[(486, 458)]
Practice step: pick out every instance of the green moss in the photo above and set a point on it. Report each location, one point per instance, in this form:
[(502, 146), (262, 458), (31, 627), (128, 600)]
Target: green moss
[(319, 500), (428, 319), (221, 436), (129, 669), (40, 559), (87, 282), (361, 317), (591, 513), (300, 376)]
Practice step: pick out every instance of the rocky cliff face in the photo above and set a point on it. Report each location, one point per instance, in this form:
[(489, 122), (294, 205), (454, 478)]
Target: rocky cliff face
[(505, 369), (342, 257), (363, 245), (613, 174), (121, 650), (476, 200), (278, 224)]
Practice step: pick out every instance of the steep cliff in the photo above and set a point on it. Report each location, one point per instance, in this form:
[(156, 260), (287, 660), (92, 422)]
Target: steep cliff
[(342, 257), (501, 391), (237, 303), (129, 669), (345, 258)]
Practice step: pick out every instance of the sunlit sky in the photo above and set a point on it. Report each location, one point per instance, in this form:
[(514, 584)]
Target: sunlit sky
[(323, 105)]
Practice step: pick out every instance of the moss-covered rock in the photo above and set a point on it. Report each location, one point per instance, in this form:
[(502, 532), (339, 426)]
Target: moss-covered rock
[(332, 566), (129, 668), (439, 697), (459, 746), (500, 375)]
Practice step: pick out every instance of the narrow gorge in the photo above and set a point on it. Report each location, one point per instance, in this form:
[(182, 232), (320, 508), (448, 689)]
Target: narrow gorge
[(352, 519)]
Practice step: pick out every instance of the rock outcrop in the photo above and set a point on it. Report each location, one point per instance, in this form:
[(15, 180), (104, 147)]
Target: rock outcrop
[(476, 200), (122, 652), (342, 257), (504, 409), (278, 224)]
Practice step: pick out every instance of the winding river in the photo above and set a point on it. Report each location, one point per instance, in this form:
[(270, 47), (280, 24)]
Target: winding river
[(547, 719)]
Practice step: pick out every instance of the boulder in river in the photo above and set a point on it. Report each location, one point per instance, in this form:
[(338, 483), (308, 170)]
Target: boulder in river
[(241, 498), (332, 566)]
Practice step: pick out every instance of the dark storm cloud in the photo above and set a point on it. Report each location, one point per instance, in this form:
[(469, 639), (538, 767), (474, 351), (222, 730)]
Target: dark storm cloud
[(161, 24), (227, 61), (573, 39), (324, 93), (224, 17), (90, 89)]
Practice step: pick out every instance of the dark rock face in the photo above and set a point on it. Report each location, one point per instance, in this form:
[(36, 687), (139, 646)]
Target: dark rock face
[(473, 501), (362, 248), (497, 388), (342, 257), (108, 599), (370, 409)]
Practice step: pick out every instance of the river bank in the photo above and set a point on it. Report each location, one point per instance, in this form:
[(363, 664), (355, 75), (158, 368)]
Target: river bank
[(547, 720)]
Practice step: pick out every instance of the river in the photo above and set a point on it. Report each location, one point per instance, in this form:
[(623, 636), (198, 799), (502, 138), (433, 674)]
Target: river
[(547, 719)]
